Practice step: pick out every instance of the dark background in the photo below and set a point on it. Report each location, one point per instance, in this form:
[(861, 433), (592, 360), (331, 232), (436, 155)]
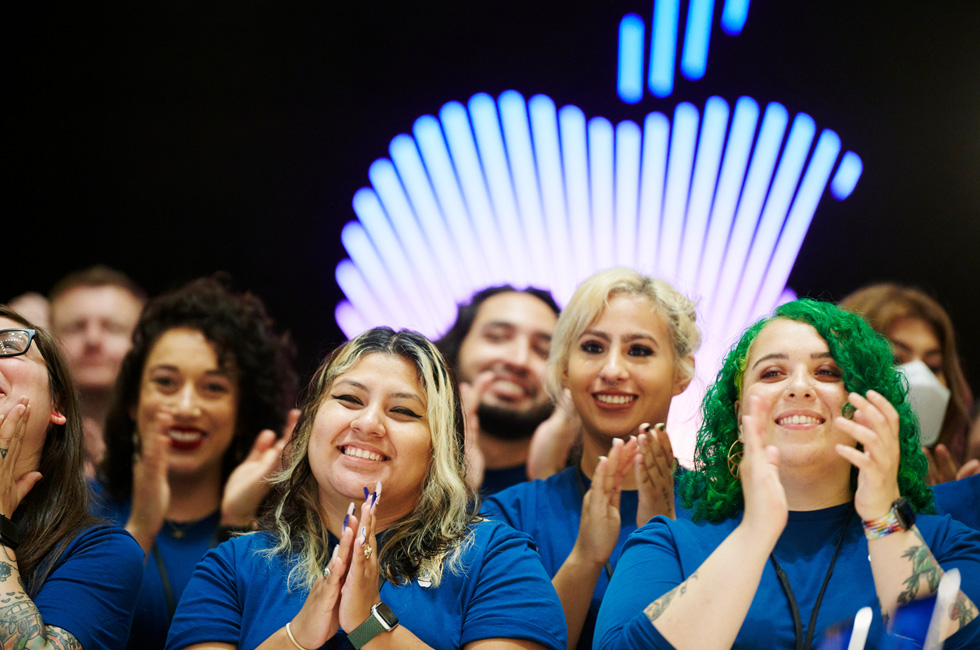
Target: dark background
[(176, 140)]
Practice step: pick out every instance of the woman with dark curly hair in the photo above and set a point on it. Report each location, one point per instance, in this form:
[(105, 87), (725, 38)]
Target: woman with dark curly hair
[(190, 435), (413, 567), (50, 547), (807, 466)]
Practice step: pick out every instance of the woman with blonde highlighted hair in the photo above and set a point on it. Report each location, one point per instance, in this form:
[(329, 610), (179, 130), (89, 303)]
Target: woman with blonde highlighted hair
[(412, 567), (623, 349)]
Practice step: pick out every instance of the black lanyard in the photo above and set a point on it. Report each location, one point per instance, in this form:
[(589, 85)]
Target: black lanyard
[(794, 609), (581, 493)]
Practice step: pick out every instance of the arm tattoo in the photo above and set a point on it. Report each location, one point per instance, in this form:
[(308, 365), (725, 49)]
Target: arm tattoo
[(62, 639), (923, 566), (962, 611), (660, 605)]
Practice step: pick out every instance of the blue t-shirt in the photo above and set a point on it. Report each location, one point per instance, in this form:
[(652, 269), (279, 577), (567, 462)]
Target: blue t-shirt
[(960, 499), (495, 480), (550, 512), (177, 548), (664, 553), (240, 597), (92, 590)]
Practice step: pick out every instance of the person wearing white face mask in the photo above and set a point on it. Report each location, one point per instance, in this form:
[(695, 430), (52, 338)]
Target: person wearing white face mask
[(920, 330)]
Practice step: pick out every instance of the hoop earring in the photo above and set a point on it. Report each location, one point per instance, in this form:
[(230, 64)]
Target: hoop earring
[(734, 458)]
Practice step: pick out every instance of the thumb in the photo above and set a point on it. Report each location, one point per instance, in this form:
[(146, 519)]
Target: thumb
[(26, 483)]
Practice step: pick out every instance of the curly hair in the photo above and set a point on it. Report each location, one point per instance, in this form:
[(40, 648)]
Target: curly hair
[(55, 511), (246, 342), (883, 305), (436, 530), (865, 359)]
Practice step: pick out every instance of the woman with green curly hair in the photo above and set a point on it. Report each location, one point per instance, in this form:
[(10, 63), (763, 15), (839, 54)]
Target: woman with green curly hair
[(807, 480)]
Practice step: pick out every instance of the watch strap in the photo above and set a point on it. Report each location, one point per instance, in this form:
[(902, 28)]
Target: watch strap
[(9, 533), (900, 517), (372, 627)]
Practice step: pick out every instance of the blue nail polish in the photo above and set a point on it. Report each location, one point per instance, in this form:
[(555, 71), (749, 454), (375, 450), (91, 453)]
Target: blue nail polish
[(366, 493), (346, 519), (374, 497)]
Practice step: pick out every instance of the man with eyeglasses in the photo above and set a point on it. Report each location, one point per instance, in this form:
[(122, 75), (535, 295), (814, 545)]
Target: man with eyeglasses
[(93, 314)]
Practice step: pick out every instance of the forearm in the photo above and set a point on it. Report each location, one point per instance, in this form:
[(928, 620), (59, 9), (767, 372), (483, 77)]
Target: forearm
[(21, 626), (905, 570), (143, 532), (575, 582), (724, 584)]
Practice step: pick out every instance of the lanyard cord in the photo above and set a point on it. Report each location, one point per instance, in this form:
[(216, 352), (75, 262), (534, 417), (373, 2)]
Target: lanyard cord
[(794, 609), (581, 493), (168, 590)]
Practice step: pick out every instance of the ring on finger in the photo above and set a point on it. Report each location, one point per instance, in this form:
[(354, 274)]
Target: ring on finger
[(367, 552), (326, 571)]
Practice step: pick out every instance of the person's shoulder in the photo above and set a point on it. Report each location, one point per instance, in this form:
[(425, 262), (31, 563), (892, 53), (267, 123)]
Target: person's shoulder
[(530, 492), (105, 536), (105, 544), (488, 535)]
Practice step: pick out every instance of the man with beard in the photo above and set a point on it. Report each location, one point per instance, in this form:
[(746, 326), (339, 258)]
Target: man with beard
[(499, 349)]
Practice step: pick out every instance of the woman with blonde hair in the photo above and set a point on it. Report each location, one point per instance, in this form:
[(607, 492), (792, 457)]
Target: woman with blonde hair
[(623, 349), (412, 567)]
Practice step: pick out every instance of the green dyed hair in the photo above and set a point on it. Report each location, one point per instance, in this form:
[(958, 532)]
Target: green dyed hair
[(864, 357)]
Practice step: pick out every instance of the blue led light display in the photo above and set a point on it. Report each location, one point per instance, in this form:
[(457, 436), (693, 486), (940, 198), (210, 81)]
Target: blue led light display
[(716, 198)]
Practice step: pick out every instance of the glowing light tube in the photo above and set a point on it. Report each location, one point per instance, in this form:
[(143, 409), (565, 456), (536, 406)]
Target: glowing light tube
[(739, 145), (517, 135), (663, 47), (435, 158), (706, 162), (629, 80), (353, 284), (627, 181), (653, 173), (761, 166), (733, 16), (574, 154), (451, 273), (399, 269), (600, 133), (350, 321), (399, 214), (799, 218), (489, 140), (697, 36), (781, 193), (846, 178), (683, 136), (547, 151), (376, 275)]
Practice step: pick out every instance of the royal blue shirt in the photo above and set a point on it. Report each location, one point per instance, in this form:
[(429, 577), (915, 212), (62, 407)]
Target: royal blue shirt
[(550, 511), (664, 553), (239, 596), (92, 589), (960, 499)]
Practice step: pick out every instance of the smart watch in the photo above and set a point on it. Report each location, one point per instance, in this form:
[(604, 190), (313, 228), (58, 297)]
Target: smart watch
[(900, 517), (9, 533), (382, 619)]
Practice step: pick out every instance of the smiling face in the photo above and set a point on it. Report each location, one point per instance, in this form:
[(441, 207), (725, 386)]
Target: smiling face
[(914, 339), (187, 395), (26, 375), (511, 337), (790, 368), (622, 371), (371, 426)]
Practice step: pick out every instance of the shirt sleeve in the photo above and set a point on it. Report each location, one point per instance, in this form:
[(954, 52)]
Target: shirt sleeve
[(209, 609), (92, 591), (513, 597), (956, 546), (649, 567)]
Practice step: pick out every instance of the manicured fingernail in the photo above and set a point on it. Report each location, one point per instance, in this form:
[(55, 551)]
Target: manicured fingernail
[(374, 498), (367, 493), (662, 427), (377, 488), (601, 458), (646, 427), (350, 511), (363, 535)]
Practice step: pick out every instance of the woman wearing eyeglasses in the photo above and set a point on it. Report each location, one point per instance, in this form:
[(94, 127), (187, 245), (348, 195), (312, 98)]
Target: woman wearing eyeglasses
[(66, 581)]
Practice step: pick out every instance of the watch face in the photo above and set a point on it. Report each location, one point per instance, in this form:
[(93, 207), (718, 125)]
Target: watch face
[(904, 513), (387, 616)]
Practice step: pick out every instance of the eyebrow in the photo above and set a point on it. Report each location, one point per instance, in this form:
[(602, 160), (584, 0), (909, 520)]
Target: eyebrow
[(511, 326), (628, 338), (173, 368), (783, 355), (906, 348), (397, 395)]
